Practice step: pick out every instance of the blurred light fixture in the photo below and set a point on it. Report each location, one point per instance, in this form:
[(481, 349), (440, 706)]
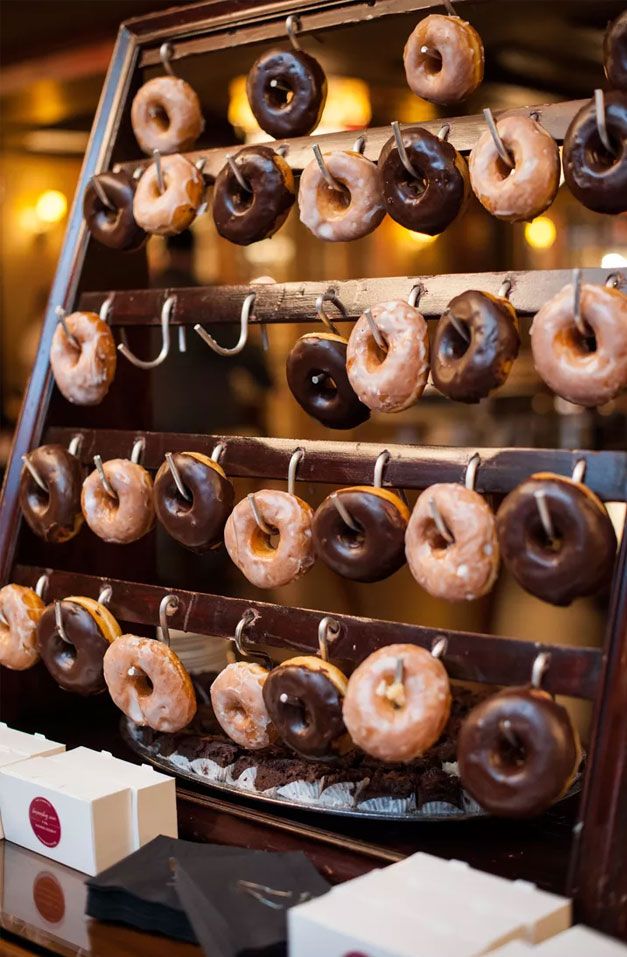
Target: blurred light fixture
[(408, 238), (613, 261), (540, 233), (51, 206)]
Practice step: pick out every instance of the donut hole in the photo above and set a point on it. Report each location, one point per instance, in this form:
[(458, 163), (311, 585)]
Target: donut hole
[(598, 157), (264, 542), (278, 93), (333, 200), (456, 339), (38, 499), (502, 170), (411, 187), (295, 715), (324, 384), (583, 344), (66, 654), (159, 117), (241, 199), (432, 61), (352, 537), (436, 540), (141, 682), (376, 355), (510, 752), (542, 540)]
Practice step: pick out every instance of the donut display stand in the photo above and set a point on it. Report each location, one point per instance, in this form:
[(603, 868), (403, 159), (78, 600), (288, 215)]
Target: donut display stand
[(118, 438)]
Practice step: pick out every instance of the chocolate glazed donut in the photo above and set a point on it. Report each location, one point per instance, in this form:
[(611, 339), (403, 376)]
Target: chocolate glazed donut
[(579, 561), (287, 90), (113, 227), (615, 52), (431, 201), (374, 552), (517, 752), (77, 665), (198, 524), (54, 515), (596, 178), (468, 370), (317, 377), (245, 217)]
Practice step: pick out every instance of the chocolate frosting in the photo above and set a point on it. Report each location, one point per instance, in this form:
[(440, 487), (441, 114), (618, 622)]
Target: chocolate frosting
[(55, 516), (468, 372), (246, 217), (116, 227), (580, 563), (331, 400), (375, 552), (310, 721), (615, 52), (303, 76), (199, 524), (523, 771), (430, 203), (596, 178), (77, 666)]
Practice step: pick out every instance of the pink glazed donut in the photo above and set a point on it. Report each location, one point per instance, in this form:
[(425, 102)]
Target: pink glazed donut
[(237, 700), (354, 210), (173, 210), (127, 517)]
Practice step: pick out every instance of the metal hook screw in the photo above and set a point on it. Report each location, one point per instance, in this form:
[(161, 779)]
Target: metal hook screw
[(176, 475), (169, 604), (501, 149), (292, 25), (382, 460), (58, 620), (104, 596), (166, 313), (295, 460), (471, 471), (540, 666), (416, 294), (34, 473), (61, 316), (545, 514), (360, 144), (615, 280), (324, 169), (402, 151), (579, 471), (440, 524), (328, 630), (42, 584), (582, 327), (438, 649), (344, 513), (105, 309), (444, 132), (166, 52), (160, 181), (101, 194), (247, 306), (237, 173), (375, 331), (265, 528), (217, 453), (330, 296), (599, 106), (238, 638), (75, 444), (505, 289), (137, 451), (103, 478), (457, 325)]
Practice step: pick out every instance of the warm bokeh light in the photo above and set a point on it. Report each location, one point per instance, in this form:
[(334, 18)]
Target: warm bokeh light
[(407, 238), (613, 261), (51, 206), (541, 233)]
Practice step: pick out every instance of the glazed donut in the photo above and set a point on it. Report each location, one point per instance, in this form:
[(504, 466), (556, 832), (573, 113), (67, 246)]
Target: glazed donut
[(127, 517), (245, 217), (393, 380), (518, 752), (113, 225), (588, 371), (615, 52), (595, 177), (317, 377), (287, 90), (580, 560), (173, 210), (526, 190), (304, 700), (469, 368), (166, 115), (83, 373), (350, 212), (54, 515), (454, 69), (397, 721), (431, 200), (252, 550), (237, 699), (76, 665), (161, 696), (377, 550), (465, 568), (20, 611), (198, 524)]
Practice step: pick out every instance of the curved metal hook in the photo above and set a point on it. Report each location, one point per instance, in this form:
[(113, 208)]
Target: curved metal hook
[(247, 618), (169, 604), (247, 306), (330, 296), (166, 313), (328, 630)]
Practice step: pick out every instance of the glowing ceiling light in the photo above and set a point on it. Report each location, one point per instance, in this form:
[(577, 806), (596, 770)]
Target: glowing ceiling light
[(540, 233), (51, 206), (613, 261)]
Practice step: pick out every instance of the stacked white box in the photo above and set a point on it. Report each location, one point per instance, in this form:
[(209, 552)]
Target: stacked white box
[(580, 941), (19, 746)]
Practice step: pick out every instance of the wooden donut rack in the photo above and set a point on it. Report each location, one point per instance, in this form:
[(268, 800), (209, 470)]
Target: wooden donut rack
[(598, 876)]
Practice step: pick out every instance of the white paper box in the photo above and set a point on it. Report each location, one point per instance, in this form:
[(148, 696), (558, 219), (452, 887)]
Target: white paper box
[(580, 941), (515, 948), (81, 820), (153, 795), (27, 745)]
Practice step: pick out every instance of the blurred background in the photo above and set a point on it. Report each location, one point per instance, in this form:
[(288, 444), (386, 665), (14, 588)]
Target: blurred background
[(54, 57)]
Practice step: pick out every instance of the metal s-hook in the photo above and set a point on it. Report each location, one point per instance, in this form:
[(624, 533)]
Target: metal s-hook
[(439, 522), (402, 150), (328, 630), (344, 513), (105, 309), (599, 107), (247, 306), (501, 149), (330, 296), (40, 587), (375, 331), (238, 638), (106, 484), (105, 594), (578, 319), (329, 179), (176, 475), (470, 476), (416, 294), (579, 471), (295, 459), (166, 314), (138, 450), (292, 25), (61, 316), (439, 646), (34, 474), (539, 669), (169, 604), (382, 460), (237, 173), (166, 52)]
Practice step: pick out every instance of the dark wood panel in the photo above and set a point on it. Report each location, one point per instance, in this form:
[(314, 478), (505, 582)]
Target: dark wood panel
[(471, 657)]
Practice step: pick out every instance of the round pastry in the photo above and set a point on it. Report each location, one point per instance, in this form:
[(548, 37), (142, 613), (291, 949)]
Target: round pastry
[(468, 367), (245, 216), (317, 377), (588, 370), (518, 752), (264, 563), (530, 186), (354, 209), (304, 699), (113, 225), (158, 693), (374, 552), (596, 178), (173, 210), (54, 515), (287, 90), (237, 699), (431, 200), (198, 522), (128, 516), (465, 568), (397, 703), (76, 664), (20, 611), (580, 558), (393, 379), (443, 59), (615, 52), (84, 371), (166, 115)]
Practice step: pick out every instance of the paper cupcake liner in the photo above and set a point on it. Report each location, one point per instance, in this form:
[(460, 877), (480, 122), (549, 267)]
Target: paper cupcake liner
[(440, 808), (470, 805), (451, 767), (306, 791), (245, 781), (389, 805), (178, 760), (339, 795), (210, 769)]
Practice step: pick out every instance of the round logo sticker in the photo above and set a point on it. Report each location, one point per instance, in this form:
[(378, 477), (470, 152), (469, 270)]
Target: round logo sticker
[(44, 821)]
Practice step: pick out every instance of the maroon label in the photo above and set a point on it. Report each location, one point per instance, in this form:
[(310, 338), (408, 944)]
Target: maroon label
[(49, 898), (44, 821)]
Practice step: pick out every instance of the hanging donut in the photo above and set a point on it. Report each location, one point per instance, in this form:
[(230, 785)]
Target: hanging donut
[(83, 358), (287, 90), (74, 652), (352, 208), (615, 52), (20, 612), (596, 176), (196, 518), (123, 512), (166, 115), (443, 59), (168, 196), (251, 203), (571, 558), (318, 380), (108, 211), (237, 700), (53, 512)]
